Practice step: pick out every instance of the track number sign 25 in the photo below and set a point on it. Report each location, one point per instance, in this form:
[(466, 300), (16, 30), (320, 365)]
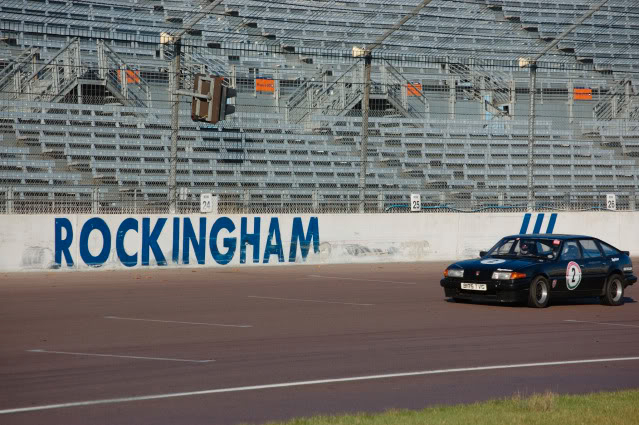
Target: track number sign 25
[(415, 202)]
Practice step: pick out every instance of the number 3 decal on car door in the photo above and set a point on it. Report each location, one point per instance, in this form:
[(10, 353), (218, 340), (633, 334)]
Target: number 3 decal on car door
[(573, 275)]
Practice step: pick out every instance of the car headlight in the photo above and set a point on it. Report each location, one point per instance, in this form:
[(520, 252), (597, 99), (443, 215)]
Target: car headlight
[(454, 273), (508, 275)]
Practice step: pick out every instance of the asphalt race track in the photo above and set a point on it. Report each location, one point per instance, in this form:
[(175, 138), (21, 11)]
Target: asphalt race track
[(206, 346)]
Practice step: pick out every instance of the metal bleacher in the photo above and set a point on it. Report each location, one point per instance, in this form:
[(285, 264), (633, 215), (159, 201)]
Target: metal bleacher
[(85, 112)]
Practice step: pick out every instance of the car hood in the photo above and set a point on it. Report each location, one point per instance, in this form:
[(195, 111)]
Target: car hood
[(492, 264)]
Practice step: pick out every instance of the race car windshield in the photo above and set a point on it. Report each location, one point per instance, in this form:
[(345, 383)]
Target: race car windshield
[(525, 248)]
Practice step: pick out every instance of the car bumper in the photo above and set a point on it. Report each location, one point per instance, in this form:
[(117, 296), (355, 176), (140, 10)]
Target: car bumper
[(630, 279), (502, 292)]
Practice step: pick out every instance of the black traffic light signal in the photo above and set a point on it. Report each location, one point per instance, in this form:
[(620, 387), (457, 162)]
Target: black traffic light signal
[(226, 108), (211, 105)]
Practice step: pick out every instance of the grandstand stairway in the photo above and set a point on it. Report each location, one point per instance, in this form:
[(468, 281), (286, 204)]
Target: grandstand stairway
[(620, 101), (66, 73), (489, 87), (315, 96)]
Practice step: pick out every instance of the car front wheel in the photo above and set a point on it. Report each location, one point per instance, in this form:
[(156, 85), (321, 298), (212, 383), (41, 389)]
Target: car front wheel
[(539, 293), (613, 291)]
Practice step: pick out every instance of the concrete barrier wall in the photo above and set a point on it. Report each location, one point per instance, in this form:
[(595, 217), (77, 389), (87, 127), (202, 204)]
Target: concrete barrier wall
[(85, 242)]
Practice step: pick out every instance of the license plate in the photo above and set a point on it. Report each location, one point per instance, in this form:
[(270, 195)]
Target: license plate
[(474, 286)]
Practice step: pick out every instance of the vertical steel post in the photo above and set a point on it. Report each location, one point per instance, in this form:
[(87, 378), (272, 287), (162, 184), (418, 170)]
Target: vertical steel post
[(175, 124), (532, 90), (364, 135), (10, 200), (95, 201)]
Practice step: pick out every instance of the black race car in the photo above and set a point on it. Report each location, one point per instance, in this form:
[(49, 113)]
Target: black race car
[(536, 268)]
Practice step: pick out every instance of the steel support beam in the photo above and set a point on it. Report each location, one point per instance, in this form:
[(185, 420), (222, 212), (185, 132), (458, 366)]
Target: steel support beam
[(532, 91), (363, 157), (175, 126)]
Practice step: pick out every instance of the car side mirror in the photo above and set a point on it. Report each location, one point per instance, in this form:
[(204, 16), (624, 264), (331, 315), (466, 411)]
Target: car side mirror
[(482, 253)]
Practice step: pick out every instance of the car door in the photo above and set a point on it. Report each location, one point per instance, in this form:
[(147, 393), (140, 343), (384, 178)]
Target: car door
[(555, 268), (567, 270), (594, 267)]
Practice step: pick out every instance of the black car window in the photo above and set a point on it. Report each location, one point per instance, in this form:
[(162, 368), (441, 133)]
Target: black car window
[(608, 250), (570, 251), (534, 247), (589, 248), (546, 248), (525, 247), (505, 248)]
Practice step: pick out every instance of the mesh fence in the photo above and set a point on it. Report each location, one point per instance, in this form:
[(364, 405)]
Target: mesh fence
[(86, 127), (258, 202)]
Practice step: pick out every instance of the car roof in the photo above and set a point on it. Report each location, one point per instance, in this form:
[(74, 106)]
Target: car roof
[(550, 236)]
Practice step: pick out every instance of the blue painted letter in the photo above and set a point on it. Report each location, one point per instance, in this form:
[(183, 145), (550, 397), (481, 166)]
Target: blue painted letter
[(274, 230), (62, 245), (125, 226), (230, 243), (150, 240), (176, 240), (95, 223), (305, 241), (198, 246), (251, 239)]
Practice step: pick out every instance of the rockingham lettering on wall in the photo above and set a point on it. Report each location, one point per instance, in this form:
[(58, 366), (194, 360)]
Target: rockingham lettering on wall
[(113, 242), (218, 236)]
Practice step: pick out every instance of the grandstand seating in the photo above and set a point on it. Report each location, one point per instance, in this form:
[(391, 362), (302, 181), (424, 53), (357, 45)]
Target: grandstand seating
[(106, 124)]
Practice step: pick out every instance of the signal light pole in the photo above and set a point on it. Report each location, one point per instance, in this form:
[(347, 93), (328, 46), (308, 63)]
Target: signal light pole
[(176, 40), (175, 125)]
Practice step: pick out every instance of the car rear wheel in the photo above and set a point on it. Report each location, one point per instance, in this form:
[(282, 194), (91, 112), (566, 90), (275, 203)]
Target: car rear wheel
[(613, 291), (539, 293)]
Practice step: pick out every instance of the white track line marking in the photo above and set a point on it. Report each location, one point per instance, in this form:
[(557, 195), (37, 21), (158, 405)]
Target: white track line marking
[(363, 280), (120, 356), (175, 321), (306, 301), (303, 383), (602, 323)]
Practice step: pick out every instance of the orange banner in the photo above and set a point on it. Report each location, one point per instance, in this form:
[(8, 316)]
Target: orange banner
[(582, 94), (414, 89), (265, 85), (131, 76)]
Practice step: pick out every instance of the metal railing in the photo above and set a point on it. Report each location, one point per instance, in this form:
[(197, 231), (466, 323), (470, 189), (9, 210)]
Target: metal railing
[(133, 200)]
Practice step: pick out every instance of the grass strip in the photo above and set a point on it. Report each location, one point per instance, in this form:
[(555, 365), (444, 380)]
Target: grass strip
[(605, 408)]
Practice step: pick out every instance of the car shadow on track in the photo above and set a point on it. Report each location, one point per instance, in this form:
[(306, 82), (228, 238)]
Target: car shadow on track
[(557, 302), (586, 301)]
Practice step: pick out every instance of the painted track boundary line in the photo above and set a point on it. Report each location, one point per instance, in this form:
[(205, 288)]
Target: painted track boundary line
[(603, 323), (312, 382), (177, 322), (119, 356)]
